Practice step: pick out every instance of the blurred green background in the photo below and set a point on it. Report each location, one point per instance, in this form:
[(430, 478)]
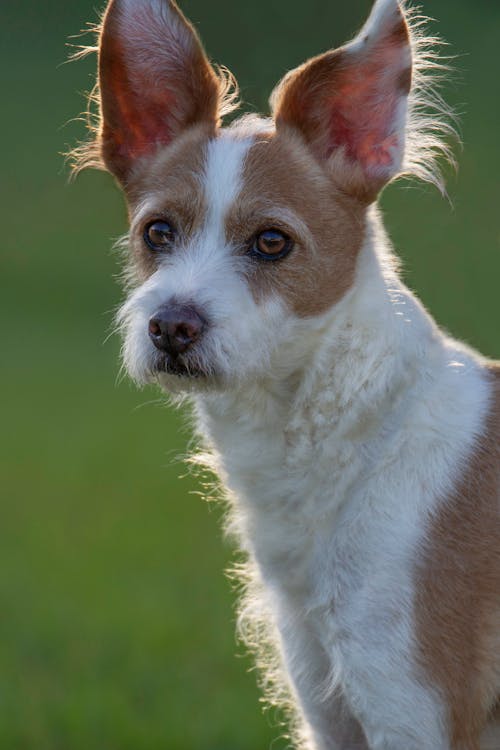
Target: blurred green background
[(116, 621)]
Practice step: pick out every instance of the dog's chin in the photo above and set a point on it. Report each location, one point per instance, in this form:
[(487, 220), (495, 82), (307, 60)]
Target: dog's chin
[(177, 375)]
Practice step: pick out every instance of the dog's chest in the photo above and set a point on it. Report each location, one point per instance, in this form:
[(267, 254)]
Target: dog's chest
[(297, 487)]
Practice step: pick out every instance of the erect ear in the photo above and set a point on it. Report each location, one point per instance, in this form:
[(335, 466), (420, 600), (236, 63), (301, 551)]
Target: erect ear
[(350, 104), (154, 81)]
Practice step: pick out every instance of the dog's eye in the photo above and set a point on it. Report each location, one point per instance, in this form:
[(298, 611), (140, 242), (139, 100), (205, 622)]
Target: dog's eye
[(271, 245), (159, 235)]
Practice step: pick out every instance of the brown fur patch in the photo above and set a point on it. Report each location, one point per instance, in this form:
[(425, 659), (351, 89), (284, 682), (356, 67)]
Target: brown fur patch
[(458, 604), (285, 188)]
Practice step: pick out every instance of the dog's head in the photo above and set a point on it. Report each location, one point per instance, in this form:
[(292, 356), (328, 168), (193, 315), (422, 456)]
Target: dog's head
[(242, 238)]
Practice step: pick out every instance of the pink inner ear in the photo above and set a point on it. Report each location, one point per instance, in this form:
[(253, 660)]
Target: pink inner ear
[(364, 117), (142, 127), (139, 109)]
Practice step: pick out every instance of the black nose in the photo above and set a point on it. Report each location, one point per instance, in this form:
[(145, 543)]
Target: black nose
[(173, 328)]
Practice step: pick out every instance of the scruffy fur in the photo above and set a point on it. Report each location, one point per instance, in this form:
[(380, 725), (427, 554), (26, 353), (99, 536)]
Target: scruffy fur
[(357, 444)]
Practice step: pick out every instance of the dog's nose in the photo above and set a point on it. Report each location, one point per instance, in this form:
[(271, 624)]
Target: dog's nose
[(173, 328)]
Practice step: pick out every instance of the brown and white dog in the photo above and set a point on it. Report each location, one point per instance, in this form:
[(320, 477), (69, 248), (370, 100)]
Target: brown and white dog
[(357, 442)]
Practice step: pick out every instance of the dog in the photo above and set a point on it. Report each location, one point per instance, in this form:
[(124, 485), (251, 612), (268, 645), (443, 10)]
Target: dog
[(357, 443)]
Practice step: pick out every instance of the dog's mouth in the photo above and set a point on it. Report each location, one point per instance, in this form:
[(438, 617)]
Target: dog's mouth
[(164, 364)]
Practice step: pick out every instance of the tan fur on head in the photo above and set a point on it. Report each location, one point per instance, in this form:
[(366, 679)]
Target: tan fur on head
[(283, 187)]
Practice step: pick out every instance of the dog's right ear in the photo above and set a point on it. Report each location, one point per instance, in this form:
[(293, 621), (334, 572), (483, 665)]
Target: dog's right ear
[(154, 81)]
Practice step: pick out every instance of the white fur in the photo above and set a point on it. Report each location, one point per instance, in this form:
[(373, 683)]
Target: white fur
[(383, 15)]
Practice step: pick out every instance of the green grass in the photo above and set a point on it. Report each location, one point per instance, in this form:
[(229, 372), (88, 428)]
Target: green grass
[(116, 622)]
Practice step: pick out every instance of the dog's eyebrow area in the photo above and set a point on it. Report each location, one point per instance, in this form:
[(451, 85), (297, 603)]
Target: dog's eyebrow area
[(197, 177), (283, 187)]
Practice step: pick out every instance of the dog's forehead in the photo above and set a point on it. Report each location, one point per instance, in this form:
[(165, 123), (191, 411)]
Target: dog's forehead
[(232, 170), (176, 171)]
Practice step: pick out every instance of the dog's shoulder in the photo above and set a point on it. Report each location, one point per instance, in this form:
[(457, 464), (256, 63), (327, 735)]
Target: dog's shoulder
[(458, 589)]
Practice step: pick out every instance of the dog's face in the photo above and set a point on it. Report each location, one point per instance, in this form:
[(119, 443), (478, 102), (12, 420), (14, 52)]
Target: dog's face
[(242, 238)]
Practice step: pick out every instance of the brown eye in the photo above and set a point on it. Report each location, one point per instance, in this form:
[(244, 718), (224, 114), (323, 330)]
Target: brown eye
[(271, 245), (159, 235)]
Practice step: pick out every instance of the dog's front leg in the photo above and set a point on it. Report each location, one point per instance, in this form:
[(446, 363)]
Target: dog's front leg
[(328, 723), (382, 686)]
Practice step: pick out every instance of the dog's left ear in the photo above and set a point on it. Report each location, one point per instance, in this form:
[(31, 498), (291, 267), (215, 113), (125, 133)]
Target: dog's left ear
[(154, 81), (350, 104)]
